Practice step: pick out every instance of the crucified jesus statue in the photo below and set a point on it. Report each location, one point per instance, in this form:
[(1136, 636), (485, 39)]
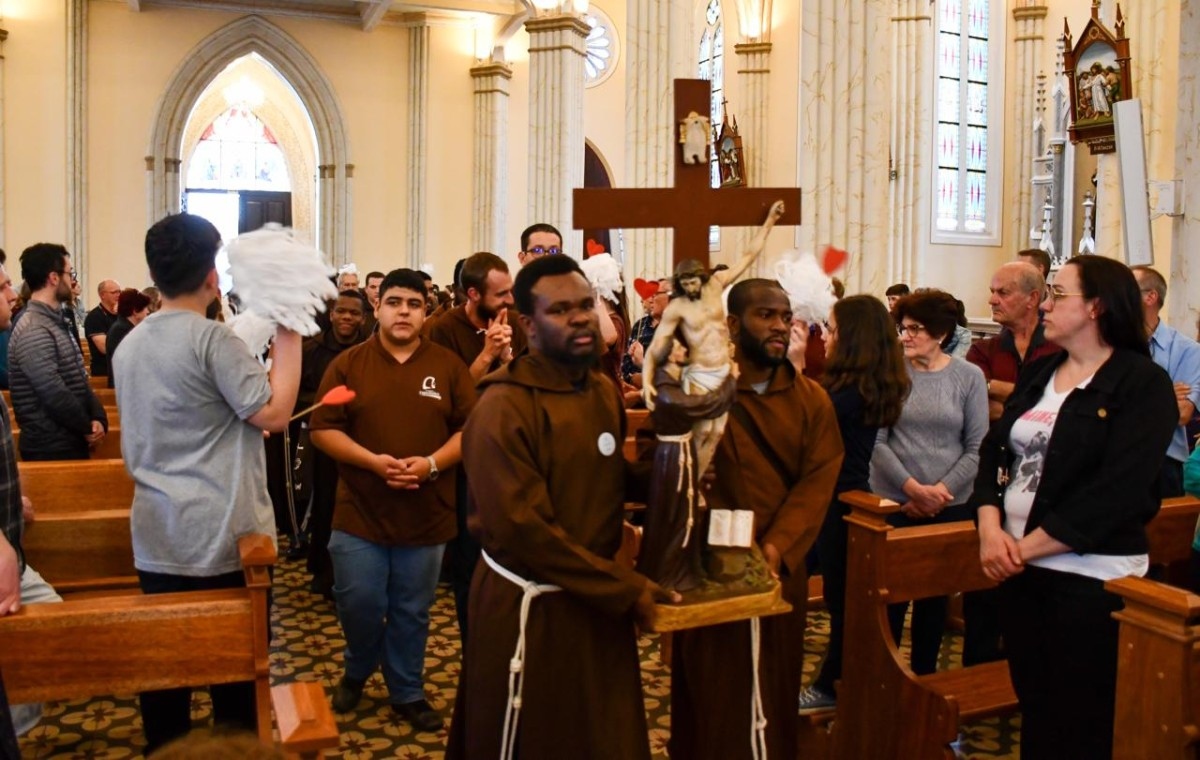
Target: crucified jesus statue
[(698, 315)]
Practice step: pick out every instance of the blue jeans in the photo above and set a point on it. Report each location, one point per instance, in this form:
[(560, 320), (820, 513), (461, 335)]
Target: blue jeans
[(383, 598)]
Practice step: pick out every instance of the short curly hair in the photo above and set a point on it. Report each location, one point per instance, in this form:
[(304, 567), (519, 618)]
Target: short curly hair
[(936, 310)]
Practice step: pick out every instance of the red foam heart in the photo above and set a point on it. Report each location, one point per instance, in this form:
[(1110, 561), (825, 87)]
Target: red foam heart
[(833, 259), (594, 248), (645, 288), (337, 396)]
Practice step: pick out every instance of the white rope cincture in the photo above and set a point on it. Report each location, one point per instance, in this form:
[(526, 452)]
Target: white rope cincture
[(686, 467), (516, 666), (758, 718)]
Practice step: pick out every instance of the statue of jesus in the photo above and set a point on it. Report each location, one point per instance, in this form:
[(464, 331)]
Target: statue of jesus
[(697, 313)]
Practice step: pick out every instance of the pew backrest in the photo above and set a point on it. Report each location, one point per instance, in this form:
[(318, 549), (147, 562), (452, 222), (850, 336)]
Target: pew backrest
[(68, 487)]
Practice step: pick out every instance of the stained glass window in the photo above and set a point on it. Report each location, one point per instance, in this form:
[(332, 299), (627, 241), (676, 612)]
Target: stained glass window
[(965, 169), (712, 67), (237, 152)]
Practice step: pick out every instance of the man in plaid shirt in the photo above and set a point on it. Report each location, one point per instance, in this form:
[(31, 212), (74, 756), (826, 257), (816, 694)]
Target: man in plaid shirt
[(643, 332)]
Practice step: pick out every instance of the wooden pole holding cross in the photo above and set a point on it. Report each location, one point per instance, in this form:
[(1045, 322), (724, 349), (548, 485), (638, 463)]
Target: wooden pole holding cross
[(692, 205)]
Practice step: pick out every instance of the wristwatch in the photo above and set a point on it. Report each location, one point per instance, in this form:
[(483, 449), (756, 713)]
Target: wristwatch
[(433, 468)]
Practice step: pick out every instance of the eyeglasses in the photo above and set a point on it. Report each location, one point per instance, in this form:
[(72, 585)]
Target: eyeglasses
[(538, 250), (912, 330), (74, 277), (1058, 294)]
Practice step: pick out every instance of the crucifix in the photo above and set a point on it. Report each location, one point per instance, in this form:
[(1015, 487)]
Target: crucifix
[(691, 206)]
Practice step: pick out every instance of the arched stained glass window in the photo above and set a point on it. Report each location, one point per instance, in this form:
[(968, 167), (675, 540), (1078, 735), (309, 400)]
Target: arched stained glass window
[(967, 136), (237, 152), (711, 57)]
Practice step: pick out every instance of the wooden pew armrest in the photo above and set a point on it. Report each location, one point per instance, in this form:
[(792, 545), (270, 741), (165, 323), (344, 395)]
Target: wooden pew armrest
[(305, 719)]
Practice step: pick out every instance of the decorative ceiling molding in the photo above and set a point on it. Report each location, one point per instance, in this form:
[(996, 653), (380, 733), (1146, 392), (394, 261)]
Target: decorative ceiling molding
[(372, 12), (366, 14)]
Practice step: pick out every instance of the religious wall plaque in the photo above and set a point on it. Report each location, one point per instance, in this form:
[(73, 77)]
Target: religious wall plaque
[(1098, 73)]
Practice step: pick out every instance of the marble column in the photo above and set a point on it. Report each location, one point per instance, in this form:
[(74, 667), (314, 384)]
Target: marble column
[(845, 110), (418, 120), (77, 102), (912, 67), (3, 187), (754, 75), (658, 49), (1183, 290), (489, 196), (556, 52), (1028, 38)]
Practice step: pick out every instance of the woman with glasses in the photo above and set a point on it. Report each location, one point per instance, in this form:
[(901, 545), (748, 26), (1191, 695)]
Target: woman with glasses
[(927, 461), (867, 381), (1067, 481)]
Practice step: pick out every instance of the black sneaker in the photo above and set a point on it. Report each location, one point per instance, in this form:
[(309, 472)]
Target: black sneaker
[(814, 700), (347, 694), (421, 714)]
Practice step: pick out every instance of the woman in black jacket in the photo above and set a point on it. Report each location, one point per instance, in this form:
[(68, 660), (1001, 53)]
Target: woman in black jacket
[(1067, 481)]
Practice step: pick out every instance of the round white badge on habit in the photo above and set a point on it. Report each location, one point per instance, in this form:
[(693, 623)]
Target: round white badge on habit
[(607, 444)]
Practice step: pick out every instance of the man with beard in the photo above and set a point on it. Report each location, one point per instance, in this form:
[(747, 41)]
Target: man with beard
[(57, 412), (548, 484), (698, 316), (486, 335), (394, 514), (779, 458)]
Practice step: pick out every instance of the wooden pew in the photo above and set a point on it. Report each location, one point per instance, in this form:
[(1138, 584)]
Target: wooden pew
[(98, 383), (884, 709), (1158, 672), (114, 417), (126, 644), (109, 448)]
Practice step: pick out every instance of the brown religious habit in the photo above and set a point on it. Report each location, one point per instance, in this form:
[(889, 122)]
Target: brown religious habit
[(547, 485), (455, 331), (712, 681)]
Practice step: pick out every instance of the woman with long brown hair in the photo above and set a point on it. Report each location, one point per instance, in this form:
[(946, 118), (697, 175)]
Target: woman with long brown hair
[(867, 382)]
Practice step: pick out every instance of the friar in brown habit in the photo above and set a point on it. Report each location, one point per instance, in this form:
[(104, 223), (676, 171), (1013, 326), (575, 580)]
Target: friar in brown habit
[(543, 455), (779, 457)]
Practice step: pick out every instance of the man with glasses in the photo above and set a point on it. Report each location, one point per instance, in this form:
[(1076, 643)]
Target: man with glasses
[(1179, 355), (57, 412), (539, 240), (643, 333), (98, 322)]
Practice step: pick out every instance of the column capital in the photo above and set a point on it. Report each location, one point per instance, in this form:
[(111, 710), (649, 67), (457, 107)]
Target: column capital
[(1030, 11), (489, 69), (750, 48), (561, 22)]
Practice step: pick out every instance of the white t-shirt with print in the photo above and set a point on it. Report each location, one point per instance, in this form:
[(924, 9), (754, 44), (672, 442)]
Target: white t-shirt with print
[(1029, 440)]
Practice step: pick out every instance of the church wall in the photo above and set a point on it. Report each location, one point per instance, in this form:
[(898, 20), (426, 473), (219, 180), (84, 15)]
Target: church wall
[(35, 77)]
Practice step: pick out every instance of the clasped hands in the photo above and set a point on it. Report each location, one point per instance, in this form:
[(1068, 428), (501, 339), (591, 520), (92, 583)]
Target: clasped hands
[(406, 474), (497, 339), (925, 501)]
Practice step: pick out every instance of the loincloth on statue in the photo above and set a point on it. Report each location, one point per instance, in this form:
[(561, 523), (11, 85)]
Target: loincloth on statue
[(697, 380)]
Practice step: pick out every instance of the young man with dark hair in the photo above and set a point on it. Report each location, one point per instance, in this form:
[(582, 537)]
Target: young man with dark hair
[(59, 415), (789, 489), (538, 240), (371, 289), (895, 292), (395, 511), (548, 486), (194, 404), (483, 331), (1038, 258)]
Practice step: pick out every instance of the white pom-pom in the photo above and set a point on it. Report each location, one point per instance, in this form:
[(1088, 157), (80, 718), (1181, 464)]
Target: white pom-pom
[(279, 279), (255, 330), (808, 287), (604, 273)]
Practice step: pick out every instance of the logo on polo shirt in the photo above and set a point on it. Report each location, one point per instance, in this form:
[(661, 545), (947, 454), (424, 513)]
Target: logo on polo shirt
[(429, 388)]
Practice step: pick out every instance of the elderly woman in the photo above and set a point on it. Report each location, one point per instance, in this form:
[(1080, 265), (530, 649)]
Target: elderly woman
[(1067, 482), (132, 307), (928, 460)]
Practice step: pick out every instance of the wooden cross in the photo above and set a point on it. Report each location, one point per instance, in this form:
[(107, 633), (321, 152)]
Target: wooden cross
[(692, 205)]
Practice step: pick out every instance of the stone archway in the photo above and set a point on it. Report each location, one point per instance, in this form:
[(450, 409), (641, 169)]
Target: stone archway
[(254, 34)]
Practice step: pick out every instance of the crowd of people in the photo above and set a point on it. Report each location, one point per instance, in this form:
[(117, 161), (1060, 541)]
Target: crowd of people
[(483, 447)]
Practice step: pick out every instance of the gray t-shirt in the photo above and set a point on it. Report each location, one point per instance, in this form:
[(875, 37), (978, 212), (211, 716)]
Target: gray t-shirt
[(185, 386), (937, 438)]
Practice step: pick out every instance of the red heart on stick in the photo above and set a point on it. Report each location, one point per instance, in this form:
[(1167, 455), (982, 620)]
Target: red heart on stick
[(594, 248), (338, 396), (833, 259), (645, 288)]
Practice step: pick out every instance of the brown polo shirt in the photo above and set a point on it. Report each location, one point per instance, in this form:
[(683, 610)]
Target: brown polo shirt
[(455, 331), (405, 410)]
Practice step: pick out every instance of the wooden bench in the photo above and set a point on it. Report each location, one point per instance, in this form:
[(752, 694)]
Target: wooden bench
[(884, 709), (109, 448), (114, 417), (1158, 672), (122, 644)]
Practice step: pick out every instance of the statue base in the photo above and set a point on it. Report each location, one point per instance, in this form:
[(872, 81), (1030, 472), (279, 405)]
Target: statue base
[(738, 587)]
